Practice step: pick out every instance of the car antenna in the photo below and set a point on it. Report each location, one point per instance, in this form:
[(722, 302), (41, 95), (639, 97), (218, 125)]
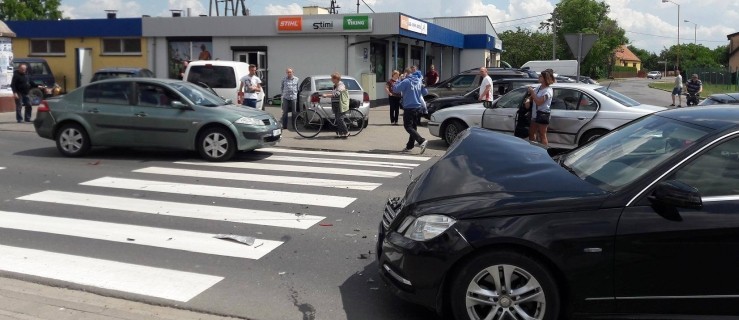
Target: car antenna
[(609, 85)]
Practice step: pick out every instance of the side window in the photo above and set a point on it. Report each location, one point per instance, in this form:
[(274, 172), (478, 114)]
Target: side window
[(305, 85), (463, 80), (108, 93), (151, 95), (513, 99), (587, 103), (714, 173), (565, 99)]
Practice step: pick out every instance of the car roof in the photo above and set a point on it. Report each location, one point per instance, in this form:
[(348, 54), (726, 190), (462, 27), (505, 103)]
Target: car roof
[(326, 76), (121, 69), (715, 117), (725, 97), (141, 79), (217, 63), (19, 60)]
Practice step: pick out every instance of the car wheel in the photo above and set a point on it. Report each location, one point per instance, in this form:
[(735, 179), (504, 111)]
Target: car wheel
[(504, 285), (216, 144), (72, 140), (452, 131), (592, 135)]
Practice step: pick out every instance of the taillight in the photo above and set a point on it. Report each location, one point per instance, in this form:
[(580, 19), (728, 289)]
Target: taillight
[(315, 98), (43, 107), (366, 97)]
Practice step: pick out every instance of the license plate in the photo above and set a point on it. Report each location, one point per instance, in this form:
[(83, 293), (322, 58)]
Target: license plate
[(276, 132)]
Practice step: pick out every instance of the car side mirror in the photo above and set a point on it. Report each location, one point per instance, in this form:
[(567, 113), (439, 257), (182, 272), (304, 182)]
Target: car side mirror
[(676, 194), (228, 101), (449, 85), (180, 105)]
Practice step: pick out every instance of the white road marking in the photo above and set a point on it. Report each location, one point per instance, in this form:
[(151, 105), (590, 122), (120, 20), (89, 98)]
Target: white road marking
[(352, 162), (140, 235), (2, 168), (346, 154), (222, 192), (177, 209), (149, 281), (289, 168), (315, 182)]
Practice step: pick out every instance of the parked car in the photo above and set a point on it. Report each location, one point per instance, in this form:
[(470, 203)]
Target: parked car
[(276, 100), (122, 72), (583, 79), (654, 75), (580, 113), (500, 87), (43, 83), (449, 123), (221, 76), (468, 80), (720, 98), (630, 226), (312, 87), (149, 112)]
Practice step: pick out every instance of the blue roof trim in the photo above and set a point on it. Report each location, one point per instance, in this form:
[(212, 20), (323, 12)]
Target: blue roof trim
[(436, 34), (480, 41), (123, 27)]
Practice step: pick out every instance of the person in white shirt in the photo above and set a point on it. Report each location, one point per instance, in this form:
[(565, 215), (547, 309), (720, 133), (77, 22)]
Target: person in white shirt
[(486, 88), (678, 89), (250, 87)]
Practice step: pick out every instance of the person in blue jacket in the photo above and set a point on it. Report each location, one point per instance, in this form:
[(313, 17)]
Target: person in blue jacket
[(411, 87)]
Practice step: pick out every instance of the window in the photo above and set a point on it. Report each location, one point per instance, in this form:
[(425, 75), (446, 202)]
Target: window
[(305, 85), (189, 48), (122, 46), (151, 95), (568, 99), (512, 100), (714, 173), (216, 77), (47, 47), (108, 93), (463, 80), (378, 60), (326, 84)]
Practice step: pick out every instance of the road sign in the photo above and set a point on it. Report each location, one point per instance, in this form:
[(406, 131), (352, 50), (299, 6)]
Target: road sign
[(580, 44)]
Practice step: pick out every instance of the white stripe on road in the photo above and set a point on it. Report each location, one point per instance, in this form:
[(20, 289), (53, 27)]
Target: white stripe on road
[(346, 154), (139, 235), (350, 162), (106, 274), (289, 168), (315, 182), (222, 192), (177, 209)]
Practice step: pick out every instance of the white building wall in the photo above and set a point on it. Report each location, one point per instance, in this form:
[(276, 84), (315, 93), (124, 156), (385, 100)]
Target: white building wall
[(471, 58)]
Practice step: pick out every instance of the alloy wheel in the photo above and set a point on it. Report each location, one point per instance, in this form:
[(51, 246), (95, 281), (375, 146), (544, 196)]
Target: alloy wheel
[(71, 140), (505, 292), (215, 145)]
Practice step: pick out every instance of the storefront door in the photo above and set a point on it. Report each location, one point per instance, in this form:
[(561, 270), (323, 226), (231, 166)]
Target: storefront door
[(258, 58)]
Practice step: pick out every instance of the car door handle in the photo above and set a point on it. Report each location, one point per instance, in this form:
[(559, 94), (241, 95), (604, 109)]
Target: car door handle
[(140, 114), (580, 118), (510, 116), (93, 111)]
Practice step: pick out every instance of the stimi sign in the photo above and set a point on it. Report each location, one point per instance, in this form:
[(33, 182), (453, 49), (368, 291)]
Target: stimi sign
[(359, 23)]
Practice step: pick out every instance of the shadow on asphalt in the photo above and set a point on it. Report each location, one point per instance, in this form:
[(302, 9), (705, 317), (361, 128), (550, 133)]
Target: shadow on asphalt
[(136, 154), (366, 297)]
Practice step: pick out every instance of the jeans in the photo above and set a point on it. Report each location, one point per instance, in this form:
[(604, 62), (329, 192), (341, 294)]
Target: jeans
[(24, 100), (411, 120), (250, 103), (340, 124), (288, 106), (394, 109)]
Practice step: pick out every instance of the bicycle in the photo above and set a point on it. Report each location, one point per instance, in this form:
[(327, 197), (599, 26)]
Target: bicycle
[(309, 122)]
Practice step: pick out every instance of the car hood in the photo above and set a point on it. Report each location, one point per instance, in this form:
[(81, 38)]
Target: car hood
[(450, 99), (243, 111), (648, 108), (488, 170)]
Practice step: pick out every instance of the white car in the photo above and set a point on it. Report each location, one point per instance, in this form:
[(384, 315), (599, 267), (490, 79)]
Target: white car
[(221, 76), (449, 122), (654, 75)]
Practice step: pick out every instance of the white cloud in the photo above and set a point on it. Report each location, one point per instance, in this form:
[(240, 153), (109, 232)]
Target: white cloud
[(293, 8), (95, 9)]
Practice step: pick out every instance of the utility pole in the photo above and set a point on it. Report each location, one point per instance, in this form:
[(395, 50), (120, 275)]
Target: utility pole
[(357, 6), (554, 42), (333, 9)]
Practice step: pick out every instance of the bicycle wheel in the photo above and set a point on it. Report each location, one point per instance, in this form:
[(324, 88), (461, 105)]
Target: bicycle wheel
[(354, 120), (308, 123)]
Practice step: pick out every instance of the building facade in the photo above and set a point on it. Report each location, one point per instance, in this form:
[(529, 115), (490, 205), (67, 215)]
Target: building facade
[(734, 51)]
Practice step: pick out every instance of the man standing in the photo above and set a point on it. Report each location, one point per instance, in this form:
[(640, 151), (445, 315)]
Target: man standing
[(695, 87), (289, 90), (432, 76), (412, 90), (250, 86), (21, 86), (678, 89), (486, 88)]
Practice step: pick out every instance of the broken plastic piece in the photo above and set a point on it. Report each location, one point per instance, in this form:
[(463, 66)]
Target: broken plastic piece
[(242, 239), (363, 256), (326, 224)]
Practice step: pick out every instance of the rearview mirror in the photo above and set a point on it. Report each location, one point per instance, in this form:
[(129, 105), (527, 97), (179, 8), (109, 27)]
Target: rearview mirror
[(180, 105), (677, 194)]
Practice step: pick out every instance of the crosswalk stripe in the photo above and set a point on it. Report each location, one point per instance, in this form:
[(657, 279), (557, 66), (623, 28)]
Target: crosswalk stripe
[(177, 209), (126, 277), (347, 154), (2, 168), (315, 182), (139, 235), (289, 168), (397, 165), (222, 192)]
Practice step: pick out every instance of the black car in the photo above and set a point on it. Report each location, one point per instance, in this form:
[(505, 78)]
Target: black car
[(642, 223), (122, 72), (501, 87), (720, 98), (468, 80), (43, 83)]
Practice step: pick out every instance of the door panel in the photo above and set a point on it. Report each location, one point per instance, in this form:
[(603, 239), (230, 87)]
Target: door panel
[(502, 116), (157, 123), (571, 110), (108, 110)]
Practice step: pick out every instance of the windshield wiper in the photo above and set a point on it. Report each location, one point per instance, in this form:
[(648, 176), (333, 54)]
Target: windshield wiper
[(563, 165)]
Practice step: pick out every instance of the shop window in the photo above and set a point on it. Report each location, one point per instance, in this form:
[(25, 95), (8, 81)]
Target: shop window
[(378, 60), (416, 54), (187, 49), (122, 46), (47, 47)]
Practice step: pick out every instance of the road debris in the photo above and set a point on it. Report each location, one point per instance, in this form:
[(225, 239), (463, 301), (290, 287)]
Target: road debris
[(350, 234), (363, 256), (242, 239), (130, 239), (94, 163), (326, 224)]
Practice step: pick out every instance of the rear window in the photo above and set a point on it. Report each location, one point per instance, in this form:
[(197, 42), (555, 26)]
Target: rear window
[(214, 76), (108, 93), (35, 68), (618, 97), (326, 84), (110, 75)]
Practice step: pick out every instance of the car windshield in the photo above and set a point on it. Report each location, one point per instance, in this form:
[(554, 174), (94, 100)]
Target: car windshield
[(198, 95), (326, 84), (626, 154), (111, 75), (472, 93), (618, 97)]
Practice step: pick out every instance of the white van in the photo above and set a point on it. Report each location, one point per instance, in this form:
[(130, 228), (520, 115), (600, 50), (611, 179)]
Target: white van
[(559, 66), (221, 76)]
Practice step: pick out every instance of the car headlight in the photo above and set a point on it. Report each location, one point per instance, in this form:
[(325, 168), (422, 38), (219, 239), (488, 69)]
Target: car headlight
[(433, 117), (425, 227), (249, 121)]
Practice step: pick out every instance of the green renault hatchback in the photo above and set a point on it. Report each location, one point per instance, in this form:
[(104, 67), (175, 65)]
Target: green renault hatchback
[(158, 113)]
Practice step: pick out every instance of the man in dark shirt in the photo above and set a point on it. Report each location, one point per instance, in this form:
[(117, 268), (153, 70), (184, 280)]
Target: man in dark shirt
[(21, 87), (432, 76)]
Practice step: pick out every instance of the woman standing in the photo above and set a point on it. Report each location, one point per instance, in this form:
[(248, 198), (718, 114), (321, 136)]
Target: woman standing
[(541, 98), (339, 104), (394, 98)]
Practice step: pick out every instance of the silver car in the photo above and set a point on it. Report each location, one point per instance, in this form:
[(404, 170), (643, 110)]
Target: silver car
[(580, 113), (312, 87)]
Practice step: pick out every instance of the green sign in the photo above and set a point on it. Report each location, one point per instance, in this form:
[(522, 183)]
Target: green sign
[(356, 23)]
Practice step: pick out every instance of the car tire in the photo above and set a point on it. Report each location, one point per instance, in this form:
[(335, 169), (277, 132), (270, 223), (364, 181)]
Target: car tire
[(591, 135), (72, 140), (216, 144), (452, 130), (475, 294)]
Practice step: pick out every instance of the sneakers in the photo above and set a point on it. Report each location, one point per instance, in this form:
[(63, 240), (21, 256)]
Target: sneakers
[(679, 106), (423, 146), (672, 105), (405, 150)]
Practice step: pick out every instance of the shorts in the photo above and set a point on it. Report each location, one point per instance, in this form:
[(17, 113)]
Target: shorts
[(677, 91)]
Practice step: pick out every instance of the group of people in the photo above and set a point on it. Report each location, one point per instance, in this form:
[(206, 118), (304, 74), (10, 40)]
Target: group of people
[(694, 86), (406, 91)]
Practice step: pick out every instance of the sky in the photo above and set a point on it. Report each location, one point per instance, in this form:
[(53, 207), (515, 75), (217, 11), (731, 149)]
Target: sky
[(649, 24)]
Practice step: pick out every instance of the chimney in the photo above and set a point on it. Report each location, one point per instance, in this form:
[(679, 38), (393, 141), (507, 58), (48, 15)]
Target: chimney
[(176, 13), (111, 14), (189, 12)]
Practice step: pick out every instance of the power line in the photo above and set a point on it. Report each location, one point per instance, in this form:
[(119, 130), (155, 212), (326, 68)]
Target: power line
[(538, 15), (668, 37)]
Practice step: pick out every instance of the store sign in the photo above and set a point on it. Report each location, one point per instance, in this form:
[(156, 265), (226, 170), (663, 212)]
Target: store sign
[(324, 24), (414, 25)]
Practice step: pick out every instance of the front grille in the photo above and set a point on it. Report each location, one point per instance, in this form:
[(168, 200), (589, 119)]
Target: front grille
[(392, 208), (265, 121), (271, 138)]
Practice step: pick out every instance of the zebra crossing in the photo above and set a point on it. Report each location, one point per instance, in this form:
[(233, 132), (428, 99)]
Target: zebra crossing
[(279, 179)]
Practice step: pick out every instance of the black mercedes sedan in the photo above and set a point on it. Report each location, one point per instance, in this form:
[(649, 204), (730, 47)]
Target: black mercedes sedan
[(640, 223)]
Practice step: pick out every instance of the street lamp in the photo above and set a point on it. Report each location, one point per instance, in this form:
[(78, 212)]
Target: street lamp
[(678, 29), (695, 31)]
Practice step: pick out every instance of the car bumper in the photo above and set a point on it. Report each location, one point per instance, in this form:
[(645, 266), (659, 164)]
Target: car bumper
[(251, 138), (434, 128), (44, 125)]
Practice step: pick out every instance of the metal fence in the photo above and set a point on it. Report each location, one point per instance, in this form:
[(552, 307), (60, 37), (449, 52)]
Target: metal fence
[(716, 76)]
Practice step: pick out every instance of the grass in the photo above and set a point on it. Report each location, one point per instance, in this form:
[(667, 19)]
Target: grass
[(708, 89)]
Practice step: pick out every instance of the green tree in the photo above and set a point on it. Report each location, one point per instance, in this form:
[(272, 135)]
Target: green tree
[(649, 60), (722, 55), (30, 10), (693, 57), (522, 45)]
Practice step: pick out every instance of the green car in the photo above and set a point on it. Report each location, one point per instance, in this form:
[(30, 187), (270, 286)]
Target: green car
[(156, 113)]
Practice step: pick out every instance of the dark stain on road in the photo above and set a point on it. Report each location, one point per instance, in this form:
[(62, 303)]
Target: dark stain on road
[(308, 311)]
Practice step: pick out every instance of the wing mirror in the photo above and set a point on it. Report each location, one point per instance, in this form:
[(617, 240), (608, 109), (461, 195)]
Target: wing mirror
[(676, 193), (180, 105), (228, 101), (449, 85)]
